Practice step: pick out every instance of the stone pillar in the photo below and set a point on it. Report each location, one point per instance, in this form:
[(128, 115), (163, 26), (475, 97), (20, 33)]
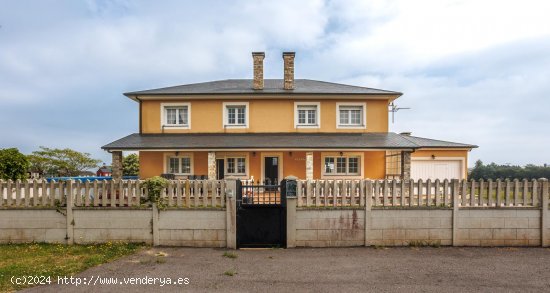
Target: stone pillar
[(258, 82), (544, 213), (368, 211), (70, 216), (405, 165), (288, 58), (117, 165), (291, 189), (454, 190), (212, 166), (155, 225), (309, 166), (231, 213)]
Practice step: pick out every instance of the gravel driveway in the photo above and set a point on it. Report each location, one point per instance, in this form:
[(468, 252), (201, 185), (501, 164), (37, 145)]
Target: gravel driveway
[(326, 270)]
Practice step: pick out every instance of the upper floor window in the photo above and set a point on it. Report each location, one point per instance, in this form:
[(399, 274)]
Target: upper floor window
[(175, 115), (306, 114), (235, 115), (351, 115)]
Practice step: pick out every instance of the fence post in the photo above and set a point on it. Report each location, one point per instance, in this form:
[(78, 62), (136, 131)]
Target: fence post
[(455, 187), (368, 209), (155, 214), (231, 213), (290, 185), (544, 225), (70, 217)]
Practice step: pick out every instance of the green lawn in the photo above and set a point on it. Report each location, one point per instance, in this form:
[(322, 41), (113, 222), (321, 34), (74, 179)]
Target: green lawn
[(39, 259)]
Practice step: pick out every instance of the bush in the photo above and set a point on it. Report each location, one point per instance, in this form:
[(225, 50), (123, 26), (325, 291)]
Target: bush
[(155, 186)]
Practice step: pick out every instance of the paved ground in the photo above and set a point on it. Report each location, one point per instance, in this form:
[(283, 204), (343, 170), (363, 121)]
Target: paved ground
[(330, 270)]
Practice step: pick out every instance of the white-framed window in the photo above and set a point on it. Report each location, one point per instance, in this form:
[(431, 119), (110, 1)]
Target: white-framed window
[(235, 114), (179, 165), (351, 115), (176, 115), (235, 165), (342, 165), (307, 115)]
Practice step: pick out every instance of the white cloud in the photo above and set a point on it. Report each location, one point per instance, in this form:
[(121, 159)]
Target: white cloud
[(478, 68)]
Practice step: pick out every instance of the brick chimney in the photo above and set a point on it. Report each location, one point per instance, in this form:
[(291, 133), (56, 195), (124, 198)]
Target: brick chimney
[(288, 58), (258, 83)]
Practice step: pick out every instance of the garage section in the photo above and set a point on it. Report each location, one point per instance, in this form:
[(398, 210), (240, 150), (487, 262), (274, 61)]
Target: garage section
[(436, 169)]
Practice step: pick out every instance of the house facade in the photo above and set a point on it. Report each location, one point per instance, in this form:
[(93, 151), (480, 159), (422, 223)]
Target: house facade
[(267, 129)]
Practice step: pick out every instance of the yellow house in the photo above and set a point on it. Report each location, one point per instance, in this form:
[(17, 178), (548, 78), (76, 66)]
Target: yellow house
[(267, 129)]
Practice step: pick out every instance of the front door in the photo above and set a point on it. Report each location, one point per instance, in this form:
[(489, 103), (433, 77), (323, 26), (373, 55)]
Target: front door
[(271, 170), (220, 169)]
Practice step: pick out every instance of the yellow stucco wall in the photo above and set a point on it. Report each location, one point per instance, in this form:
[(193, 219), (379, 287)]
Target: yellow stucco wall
[(265, 116), (152, 163)]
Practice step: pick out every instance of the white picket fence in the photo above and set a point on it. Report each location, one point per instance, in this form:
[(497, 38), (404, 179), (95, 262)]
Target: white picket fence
[(310, 193), (411, 193), (106, 193)]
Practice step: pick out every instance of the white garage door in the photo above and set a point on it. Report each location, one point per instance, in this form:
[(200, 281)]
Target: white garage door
[(436, 169)]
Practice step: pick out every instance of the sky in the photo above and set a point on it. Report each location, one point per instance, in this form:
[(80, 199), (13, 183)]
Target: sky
[(471, 71)]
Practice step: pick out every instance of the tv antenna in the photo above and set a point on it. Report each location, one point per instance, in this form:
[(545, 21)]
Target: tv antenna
[(393, 109)]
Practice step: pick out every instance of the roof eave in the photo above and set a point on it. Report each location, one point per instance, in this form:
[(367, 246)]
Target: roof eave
[(134, 95)]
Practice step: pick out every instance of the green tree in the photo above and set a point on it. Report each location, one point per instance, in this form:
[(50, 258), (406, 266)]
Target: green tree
[(130, 165), (494, 171), (61, 162), (13, 164)]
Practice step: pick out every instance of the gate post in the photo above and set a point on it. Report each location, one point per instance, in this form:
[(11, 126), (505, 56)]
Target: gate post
[(289, 185), (232, 187)]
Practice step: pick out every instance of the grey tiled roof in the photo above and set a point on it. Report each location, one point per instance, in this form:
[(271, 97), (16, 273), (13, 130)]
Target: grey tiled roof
[(434, 143), (271, 86), (137, 141)]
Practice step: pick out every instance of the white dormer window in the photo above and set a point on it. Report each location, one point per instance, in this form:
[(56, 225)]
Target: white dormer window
[(307, 114), (235, 115), (176, 115), (351, 115)]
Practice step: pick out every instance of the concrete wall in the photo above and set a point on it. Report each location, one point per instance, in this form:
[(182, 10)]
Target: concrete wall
[(429, 226), (178, 227), (32, 225), (401, 227), (330, 228), (511, 227), (102, 225), (197, 228)]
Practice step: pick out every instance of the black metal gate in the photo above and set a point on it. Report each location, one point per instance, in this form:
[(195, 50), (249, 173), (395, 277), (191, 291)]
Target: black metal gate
[(261, 215)]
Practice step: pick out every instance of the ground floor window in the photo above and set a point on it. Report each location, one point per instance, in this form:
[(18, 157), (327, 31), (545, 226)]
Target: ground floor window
[(179, 165), (236, 166), (343, 165), (393, 164)]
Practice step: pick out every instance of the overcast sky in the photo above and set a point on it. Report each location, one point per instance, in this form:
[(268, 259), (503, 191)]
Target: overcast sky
[(472, 71)]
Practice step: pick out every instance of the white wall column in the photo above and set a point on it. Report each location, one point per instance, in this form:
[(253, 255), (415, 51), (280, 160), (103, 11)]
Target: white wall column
[(309, 166), (212, 166)]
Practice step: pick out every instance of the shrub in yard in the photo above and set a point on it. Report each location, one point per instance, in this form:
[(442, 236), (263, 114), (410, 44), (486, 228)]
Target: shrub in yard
[(155, 186)]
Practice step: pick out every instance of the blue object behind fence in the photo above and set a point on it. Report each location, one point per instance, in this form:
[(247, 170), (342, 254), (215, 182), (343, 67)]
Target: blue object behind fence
[(90, 178)]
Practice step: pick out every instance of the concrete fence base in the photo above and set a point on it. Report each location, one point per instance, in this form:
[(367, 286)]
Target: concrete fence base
[(318, 227)]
